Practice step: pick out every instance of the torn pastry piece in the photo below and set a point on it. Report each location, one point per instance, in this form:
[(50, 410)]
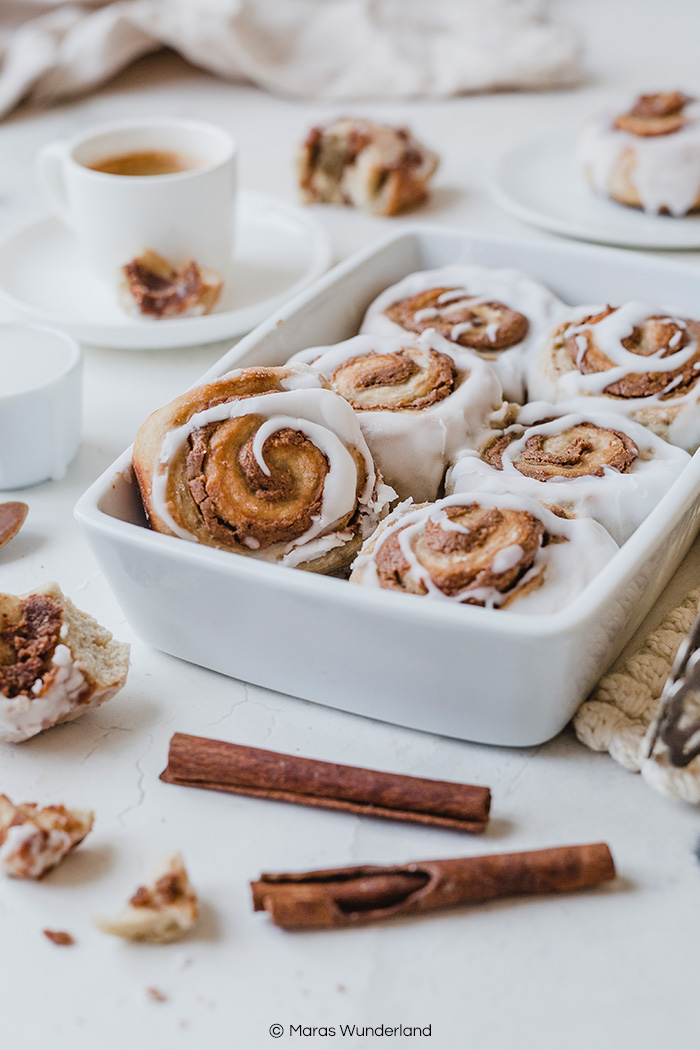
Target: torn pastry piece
[(416, 405), (498, 315), (151, 286), (265, 462), (643, 361), (33, 840), (647, 156), (162, 910), (371, 166), (56, 662), (579, 459), (485, 548)]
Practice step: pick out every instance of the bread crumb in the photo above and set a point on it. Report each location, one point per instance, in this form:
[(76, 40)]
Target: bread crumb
[(160, 911)]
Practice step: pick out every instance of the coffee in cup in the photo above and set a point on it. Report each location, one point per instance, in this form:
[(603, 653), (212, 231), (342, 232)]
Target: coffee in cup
[(147, 162)]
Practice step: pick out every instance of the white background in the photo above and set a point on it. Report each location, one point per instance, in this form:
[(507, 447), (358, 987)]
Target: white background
[(606, 969)]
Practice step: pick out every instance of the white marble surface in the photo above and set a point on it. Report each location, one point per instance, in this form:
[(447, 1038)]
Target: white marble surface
[(610, 968)]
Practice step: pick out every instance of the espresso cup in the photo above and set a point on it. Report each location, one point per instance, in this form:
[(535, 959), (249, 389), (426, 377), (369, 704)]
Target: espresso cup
[(40, 403), (167, 185)]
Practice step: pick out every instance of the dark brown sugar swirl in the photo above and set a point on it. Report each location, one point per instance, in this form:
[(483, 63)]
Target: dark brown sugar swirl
[(582, 450), (658, 336), (470, 321), (27, 645), (407, 378), (460, 552)]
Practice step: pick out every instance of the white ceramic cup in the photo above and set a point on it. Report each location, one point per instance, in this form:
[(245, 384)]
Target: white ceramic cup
[(181, 215), (40, 403)]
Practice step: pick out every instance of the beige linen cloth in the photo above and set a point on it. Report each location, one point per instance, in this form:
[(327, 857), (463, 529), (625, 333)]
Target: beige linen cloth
[(620, 715), (329, 49)]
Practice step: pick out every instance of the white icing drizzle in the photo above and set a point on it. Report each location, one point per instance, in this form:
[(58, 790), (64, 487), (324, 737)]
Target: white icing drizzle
[(567, 567), (412, 447), (478, 284), (426, 314), (454, 296), (667, 169), (619, 501), (507, 558)]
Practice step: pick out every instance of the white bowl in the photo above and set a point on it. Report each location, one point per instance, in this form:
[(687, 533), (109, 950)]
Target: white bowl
[(477, 674)]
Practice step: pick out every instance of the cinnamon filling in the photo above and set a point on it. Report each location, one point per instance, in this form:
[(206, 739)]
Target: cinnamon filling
[(160, 290), (487, 327), (168, 890), (660, 336), (406, 379), (584, 450), (652, 115), (26, 647), (238, 500), (486, 548)]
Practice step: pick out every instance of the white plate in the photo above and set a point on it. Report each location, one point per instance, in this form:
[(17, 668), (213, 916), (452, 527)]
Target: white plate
[(280, 249), (539, 181), (476, 674)]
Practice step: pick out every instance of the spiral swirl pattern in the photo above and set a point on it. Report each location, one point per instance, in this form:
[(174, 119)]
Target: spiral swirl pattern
[(265, 461)]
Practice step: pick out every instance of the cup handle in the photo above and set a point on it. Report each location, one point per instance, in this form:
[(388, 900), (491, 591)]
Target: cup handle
[(50, 172)]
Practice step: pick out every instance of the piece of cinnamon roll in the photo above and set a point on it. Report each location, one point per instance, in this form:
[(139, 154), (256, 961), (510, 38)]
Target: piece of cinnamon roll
[(643, 361), (648, 156), (381, 169), (416, 404), (487, 548), (267, 462), (579, 461), (498, 315)]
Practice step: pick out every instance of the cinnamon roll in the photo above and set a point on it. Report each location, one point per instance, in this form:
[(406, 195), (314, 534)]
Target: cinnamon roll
[(594, 463), (416, 405), (643, 361), (496, 315), (267, 462), (647, 157), (487, 548), (380, 169)]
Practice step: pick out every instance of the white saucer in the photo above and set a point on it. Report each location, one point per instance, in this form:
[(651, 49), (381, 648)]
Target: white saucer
[(280, 248), (539, 182)]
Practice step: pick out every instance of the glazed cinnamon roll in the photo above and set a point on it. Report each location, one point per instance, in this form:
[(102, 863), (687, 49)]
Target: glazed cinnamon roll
[(266, 462), (594, 463), (643, 361), (496, 315), (648, 156), (486, 548), (416, 405)]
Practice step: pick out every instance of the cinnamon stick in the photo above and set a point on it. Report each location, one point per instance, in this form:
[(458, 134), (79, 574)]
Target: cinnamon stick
[(355, 896), (199, 762)]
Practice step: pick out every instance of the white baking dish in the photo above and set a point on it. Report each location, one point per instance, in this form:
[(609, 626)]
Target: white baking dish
[(478, 674)]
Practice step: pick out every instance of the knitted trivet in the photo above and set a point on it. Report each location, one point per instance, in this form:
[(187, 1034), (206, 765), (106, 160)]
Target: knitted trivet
[(620, 713)]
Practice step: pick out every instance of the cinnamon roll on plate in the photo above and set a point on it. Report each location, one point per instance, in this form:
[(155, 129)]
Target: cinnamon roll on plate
[(644, 362), (579, 461), (498, 315), (416, 404), (487, 548), (266, 462), (647, 157)]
